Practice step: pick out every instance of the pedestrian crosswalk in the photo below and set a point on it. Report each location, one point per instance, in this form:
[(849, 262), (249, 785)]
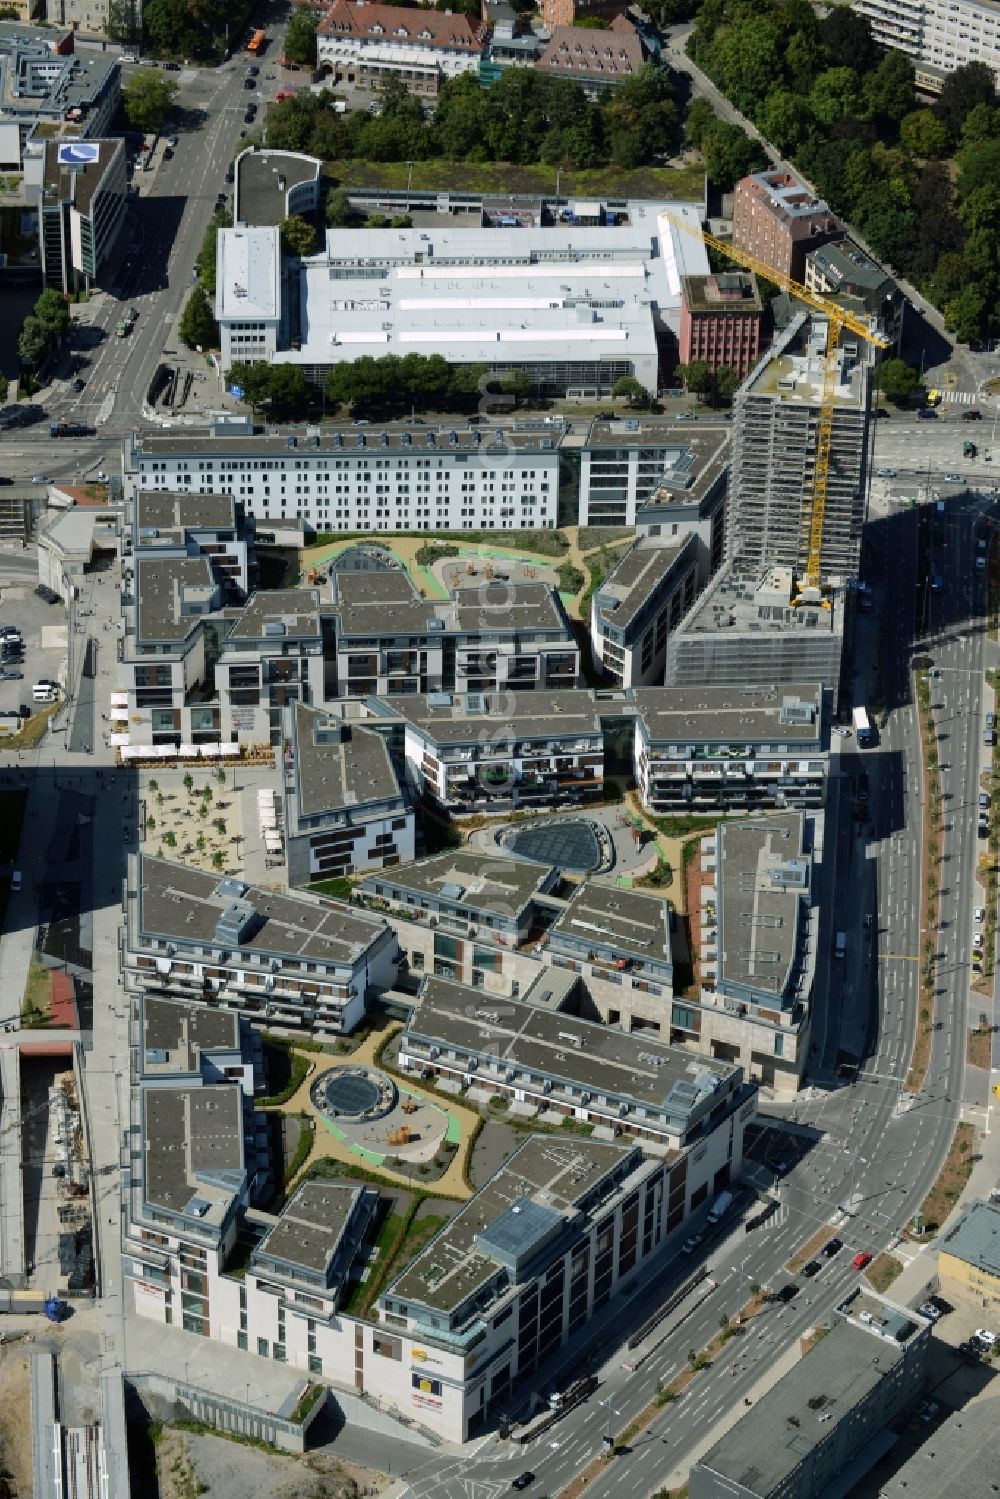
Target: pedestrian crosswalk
[(957, 397)]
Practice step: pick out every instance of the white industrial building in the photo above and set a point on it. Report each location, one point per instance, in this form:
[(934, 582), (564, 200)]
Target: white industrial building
[(572, 307)]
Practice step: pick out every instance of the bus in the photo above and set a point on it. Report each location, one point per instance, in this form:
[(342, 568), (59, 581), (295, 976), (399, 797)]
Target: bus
[(862, 728), (256, 43)]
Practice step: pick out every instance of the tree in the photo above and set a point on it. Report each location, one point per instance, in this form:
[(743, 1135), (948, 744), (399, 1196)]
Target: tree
[(847, 36), (979, 166), (697, 376), (961, 91), (923, 134), (727, 382), (147, 98), (896, 379), (750, 62), (339, 213), (786, 120), (889, 92), (834, 95), (300, 36), (34, 341), (51, 310), (981, 124), (965, 314), (198, 328), (206, 255), (124, 25), (188, 782), (628, 388), (730, 154), (297, 235)]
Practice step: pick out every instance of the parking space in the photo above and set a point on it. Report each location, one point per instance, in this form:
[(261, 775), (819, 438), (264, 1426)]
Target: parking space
[(43, 629)]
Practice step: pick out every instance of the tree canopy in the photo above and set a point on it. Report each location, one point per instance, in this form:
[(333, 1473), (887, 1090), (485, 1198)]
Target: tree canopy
[(197, 327), (147, 98), (300, 36), (845, 112)]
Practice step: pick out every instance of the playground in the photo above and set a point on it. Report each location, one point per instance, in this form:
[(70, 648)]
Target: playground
[(476, 562)]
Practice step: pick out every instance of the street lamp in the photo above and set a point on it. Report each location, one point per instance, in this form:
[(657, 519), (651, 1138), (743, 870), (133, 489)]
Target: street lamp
[(607, 1431)]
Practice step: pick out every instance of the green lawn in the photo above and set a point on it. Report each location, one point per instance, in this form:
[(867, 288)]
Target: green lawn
[(677, 183)]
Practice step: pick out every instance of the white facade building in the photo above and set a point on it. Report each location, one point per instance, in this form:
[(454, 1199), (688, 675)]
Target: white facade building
[(398, 479), (945, 33), (248, 293)]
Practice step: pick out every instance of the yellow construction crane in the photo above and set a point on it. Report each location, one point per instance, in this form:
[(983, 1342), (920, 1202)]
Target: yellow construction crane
[(809, 590)]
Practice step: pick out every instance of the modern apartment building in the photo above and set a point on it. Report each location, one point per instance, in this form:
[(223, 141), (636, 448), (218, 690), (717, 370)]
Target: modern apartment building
[(778, 219), (477, 751), (722, 321), (572, 1068), (345, 810), (560, 1229), (758, 927), (571, 306), (361, 43), (292, 960), (637, 606), (629, 464), (488, 637), (775, 431), (193, 671), (805, 1431), (79, 191), (351, 479), (944, 34), (178, 525), (730, 748)]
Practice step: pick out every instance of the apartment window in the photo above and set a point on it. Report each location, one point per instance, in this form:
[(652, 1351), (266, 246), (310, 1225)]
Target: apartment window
[(262, 1347)]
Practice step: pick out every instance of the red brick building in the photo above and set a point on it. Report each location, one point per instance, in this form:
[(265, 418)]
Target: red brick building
[(777, 218), (565, 12), (722, 320)]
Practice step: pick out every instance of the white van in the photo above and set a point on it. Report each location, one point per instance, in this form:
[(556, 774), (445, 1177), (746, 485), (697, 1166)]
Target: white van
[(43, 692), (15, 880)]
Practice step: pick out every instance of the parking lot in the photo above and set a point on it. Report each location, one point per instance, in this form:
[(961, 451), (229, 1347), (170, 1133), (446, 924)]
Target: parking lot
[(44, 630)]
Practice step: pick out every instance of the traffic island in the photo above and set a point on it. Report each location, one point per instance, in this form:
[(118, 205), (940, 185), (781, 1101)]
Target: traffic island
[(951, 1181), (930, 895)]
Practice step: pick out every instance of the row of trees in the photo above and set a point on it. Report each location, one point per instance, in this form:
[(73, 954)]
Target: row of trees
[(524, 118), (45, 326), (922, 184)]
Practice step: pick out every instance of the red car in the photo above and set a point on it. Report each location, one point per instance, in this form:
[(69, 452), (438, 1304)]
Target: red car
[(861, 1260)]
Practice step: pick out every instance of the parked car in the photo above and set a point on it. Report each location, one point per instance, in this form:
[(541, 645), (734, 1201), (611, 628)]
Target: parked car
[(8, 674), (988, 1339), (690, 1245), (979, 915), (930, 1312), (47, 594)]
